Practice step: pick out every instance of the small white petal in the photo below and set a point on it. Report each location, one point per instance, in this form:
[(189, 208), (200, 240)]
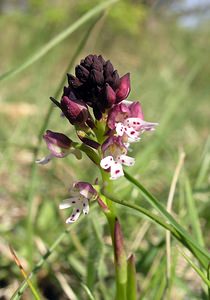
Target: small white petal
[(126, 160), (120, 129), (44, 160), (134, 122), (85, 206), (132, 134), (106, 162), (74, 216), (68, 202), (116, 171)]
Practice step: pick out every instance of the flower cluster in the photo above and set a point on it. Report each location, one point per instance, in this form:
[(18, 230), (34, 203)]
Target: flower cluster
[(94, 102), (126, 124)]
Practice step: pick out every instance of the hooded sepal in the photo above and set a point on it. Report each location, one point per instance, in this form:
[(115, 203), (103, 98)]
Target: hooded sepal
[(75, 110), (124, 88), (59, 146)]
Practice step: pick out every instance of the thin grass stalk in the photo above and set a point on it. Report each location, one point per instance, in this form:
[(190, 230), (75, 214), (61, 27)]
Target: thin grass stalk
[(169, 209), (18, 293), (197, 270), (193, 212), (30, 284)]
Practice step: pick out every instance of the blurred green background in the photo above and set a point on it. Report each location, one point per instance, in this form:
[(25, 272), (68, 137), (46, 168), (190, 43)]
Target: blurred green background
[(166, 47)]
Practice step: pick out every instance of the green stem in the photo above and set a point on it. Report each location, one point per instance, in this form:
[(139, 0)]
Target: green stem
[(117, 241)]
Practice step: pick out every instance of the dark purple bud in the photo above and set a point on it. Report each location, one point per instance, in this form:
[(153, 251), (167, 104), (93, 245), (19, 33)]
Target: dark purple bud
[(73, 81), (97, 65), (124, 88), (97, 113), (100, 58), (75, 111), (58, 143), (110, 95), (108, 69), (89, 59), (115, 79), (97, 77), (82, 73)]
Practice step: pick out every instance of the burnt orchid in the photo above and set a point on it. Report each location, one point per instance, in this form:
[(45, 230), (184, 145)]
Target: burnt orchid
[(106, 124), (80, 195)]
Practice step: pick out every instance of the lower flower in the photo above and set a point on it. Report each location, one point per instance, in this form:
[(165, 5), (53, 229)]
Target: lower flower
[(80, 195)]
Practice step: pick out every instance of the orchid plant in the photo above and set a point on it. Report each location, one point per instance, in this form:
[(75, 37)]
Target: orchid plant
[(106, 123)]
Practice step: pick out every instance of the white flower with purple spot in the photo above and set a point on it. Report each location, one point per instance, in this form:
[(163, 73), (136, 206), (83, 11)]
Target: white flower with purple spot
[(114, 152), (80, 195), (127, 120)]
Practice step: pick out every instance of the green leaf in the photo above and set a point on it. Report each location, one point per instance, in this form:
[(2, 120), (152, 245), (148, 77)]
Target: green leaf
[(131, 281), (193, 213), (198, 271), (202, 255)]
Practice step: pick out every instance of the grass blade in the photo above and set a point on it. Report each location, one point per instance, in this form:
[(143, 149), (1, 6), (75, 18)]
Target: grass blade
[(202, 255), (18, 263), (193, 214), (198, 271), (57, 39), (131, 283), (169, 208)]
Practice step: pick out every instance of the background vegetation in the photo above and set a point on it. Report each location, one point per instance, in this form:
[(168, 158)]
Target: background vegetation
[(170, 73)]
